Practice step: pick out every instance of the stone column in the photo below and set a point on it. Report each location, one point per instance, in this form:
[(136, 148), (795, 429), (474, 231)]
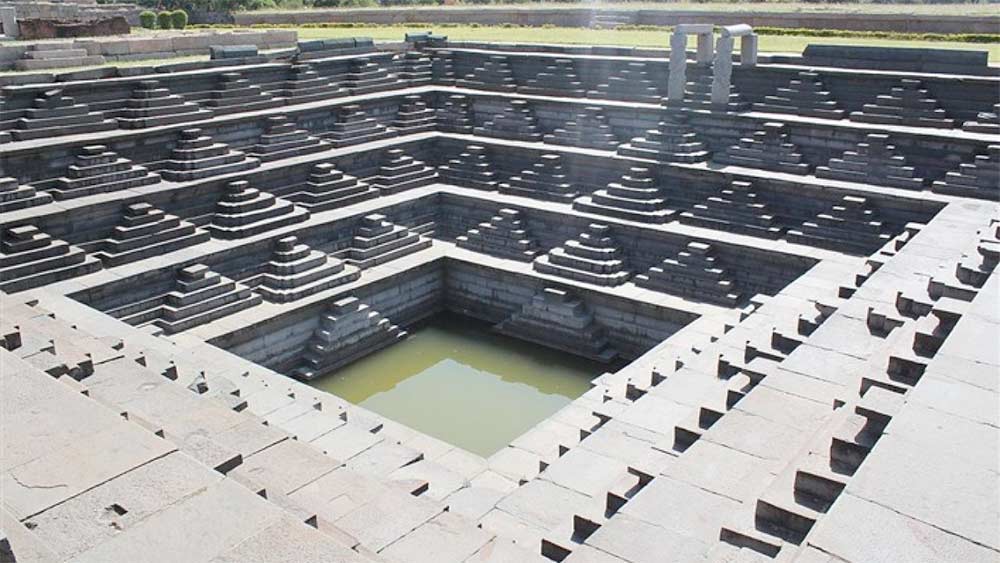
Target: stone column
[(704, 55), (8, 21), (748, 50), (677, 78), (722, 71)]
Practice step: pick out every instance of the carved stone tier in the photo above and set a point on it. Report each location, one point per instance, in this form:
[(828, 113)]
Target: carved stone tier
[(494, 74), (414, 116), (636, 197), (378, 241), (694, 273), (874, 161), (909, 103), (281, 139), (515, 122), (152, 105), (416, 69), (244, 211), (593, 257), (671, 141), (353, 126), (737, 209), (471, 169), (236, 94), (588, 128), (401, 172), (767, 149), (443, 67), (630, 82), (805, 95), (348, 331), (202, 296), (296, 271), (546, 179), (850, 225), (367, 75), (985, 122), (146, 231), (15, 196), (30, 258), (698, 92), (306, 85), (979, 178), (197, 156), (455, 114), (329, 188), (98, 170), (504, 235), (55, 115), (557, 78)]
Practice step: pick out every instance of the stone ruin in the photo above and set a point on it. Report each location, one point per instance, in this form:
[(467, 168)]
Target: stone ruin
[(788, 268)]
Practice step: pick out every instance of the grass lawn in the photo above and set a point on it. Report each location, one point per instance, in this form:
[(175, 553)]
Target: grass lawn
[(771, 43)]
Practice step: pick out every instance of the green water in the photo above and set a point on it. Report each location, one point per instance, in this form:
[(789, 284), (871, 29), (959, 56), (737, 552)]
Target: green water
[(456, 380)]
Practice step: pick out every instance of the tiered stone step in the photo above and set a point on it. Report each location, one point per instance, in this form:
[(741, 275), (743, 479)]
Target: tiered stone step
[(698, 92), (54, 115), (15, 196), (504, 235), (281, 139), (556, 319), (378, 241), (152, 105), (515, 122), (630, 82), (851, 224), (979, 178), (146, 231), (986, 122), (455, 114), (589, 129), (557, 78), (907, 104), (416, 68), (805, 95), (306, 85), (636, 197), (197, 156), (443, 67), (736, 208), (202, 296), (329, 188), (767, 149), (244, 211), (348, 331), (236, 94), (695, 273), (98, 170), (471, 169), (402, 172), (366, 75), (414, 116), (30, 258), (353, 126), (296, 271), (546, 179), (873, 162), (46, 56), (593, 257), (495, 74), (671, 141)]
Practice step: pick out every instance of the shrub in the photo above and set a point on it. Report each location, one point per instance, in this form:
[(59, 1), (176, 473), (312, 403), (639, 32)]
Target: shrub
[(163, 20), (147, 19), (178, 19)]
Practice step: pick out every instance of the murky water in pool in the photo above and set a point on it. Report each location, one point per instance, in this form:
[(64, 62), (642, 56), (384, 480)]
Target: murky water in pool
[(456, 380)]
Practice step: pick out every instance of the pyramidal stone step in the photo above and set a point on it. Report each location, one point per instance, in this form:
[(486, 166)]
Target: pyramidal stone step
[(671, 141), (146, 231), (979, 178), (557, 319), (235, 94), (14, 196), (329, 188), (630, 83), (546, 179), (378, 241), (768, 149), (694, 273), (282, 139), (415, 68), (201, 296), (296, 271), (850, 225), (366, 75), (414, 116), (494, 74), (349, 330), (97, 170), (698, 92), (353, 126), (593, 257), (197, 156), (455, 114), (30, 258), (515, 122), (636, 197), (53, 115), (908, 103), (306, 85), (472, 168), (244, 211), (152, 105), (588, 129), (505, 235), (443, 67), (874, 161), (557, 78), (400, 172), (806, 95), (736, 208), (985, 122)]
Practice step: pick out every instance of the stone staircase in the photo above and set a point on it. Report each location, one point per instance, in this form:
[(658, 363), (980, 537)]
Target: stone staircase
[(197, 156), (365, 76), (593, 257), (505, 235), (909, 103), (455, 114), (30, 258), (305, 85), (671, 141), (152, 105), (244, 211), (296, 271), (516, 121), (735, 208), (236, 94), (472, 168), (146, 231), (48, 56), (282, 139), (636, 197), (401, 172), (557, 78), (378, 241), (978, 178), (494, 74), (53, 114), (201, 296), (328, 188), (875, 161), (353, 126), (851, 224), (805, 95), (414, 116), (588, 129), (768, 149), (694, 273), (630, 82), (14, 196), (546, 179), (97, 170)]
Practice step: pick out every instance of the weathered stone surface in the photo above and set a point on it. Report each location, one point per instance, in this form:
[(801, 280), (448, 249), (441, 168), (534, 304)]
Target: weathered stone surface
[(558, 320), (593, 257), (97, 170)]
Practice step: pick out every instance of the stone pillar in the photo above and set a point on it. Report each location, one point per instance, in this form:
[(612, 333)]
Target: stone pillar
[(748, 50), (8, 21), (677, 78), (722, 71), (704, 55)]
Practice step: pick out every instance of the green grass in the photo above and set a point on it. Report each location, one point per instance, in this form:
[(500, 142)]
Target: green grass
[(576, 35)]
